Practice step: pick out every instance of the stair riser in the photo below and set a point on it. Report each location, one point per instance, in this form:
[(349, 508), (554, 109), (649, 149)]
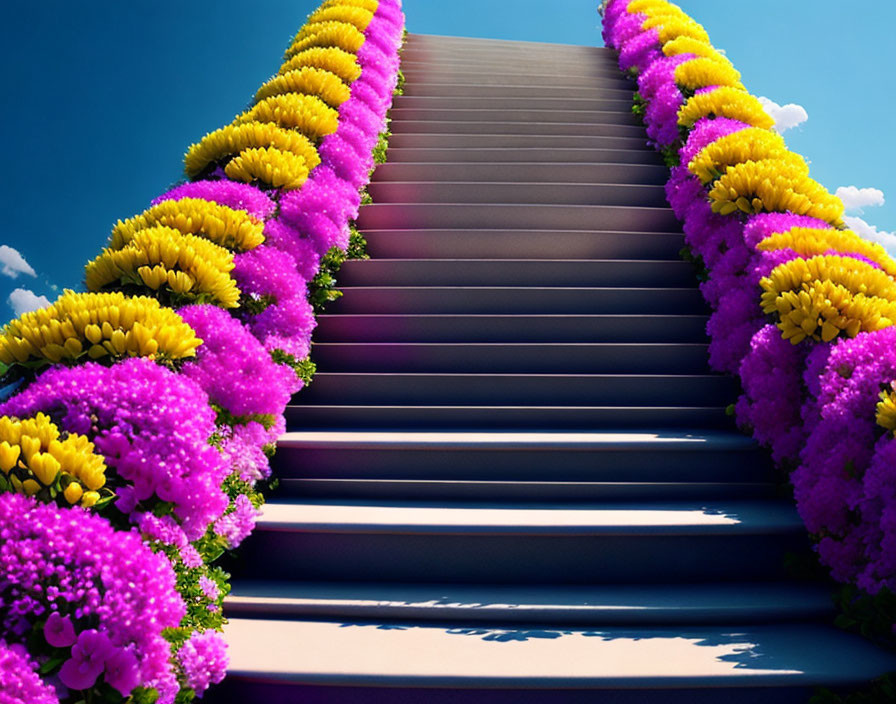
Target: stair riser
[(516, 89), (447, 126), (524, 328), (239, 691), (524, 194), (503, 117), (473, 490), (402, 216), (514, 558), (520, 301), (508, 359), (463, 272), (504, 418), (507, 65), (489, 78), (498, 244), (518, 390), (621, 105), (487, 141), (461, 155), (513, 172), (523, 465)]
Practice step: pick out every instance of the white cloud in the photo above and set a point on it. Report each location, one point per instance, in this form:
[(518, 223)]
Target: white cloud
[(21, 300), (785, 116), (857, 199), (12, 263), (870, 232)]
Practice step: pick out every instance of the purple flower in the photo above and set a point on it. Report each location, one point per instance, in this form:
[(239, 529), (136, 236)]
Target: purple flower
[(203, 660), (209, 588), (236, 525), (59, 631), (88, 660), (302, 249), (19, 681), (122, 671), (239, 196), (641, 51)]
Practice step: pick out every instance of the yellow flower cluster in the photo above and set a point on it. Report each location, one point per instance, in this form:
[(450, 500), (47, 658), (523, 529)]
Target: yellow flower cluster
[(725, 101), (342, 35), (307, 114), (810, 241), (193, 269), (35, 461), (826, 296), (673, 26), (707, 71), (751, 144), (97, 325), (229, 228), (689, 45), (308, 80), (268, 165), (886, 410), (773, 185), (336, 61), (231, 140), (356, 16)]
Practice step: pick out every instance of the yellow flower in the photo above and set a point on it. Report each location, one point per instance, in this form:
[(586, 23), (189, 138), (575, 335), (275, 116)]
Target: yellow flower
[(232, 140), (138, 325), (341, 35), (369, 5), (653, 7), (358, 17), (750, 144), (828, 296), (774, 185), (674, 25), (808, 242), (703, 72), (153, 256), (308, 81), (338, 62), (269, 166), (9, 453), (689, 45), (886, 410), (227, 227), (306, 113), (725, 101)]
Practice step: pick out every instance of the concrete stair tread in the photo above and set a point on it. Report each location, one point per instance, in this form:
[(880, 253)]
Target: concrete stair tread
[(580, 604), (680, 518), (434, 656)]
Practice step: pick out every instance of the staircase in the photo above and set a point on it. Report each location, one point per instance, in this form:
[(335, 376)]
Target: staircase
[(512, 479)]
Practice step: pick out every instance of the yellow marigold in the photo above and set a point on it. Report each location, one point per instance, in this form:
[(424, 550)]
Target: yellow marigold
[(227, 227), (775, 186), (36, 459), (341, 35), (369, 5), (886, 410), (653, 7), (270, 166), (231, 140), (750, 144), (826, 296), (725, 101), (673, 26), (341, 63), (810, 241), (358, 17), (308, 81), (702, 72), (193, 269), (306, 113), (97, 325), (689, 45)]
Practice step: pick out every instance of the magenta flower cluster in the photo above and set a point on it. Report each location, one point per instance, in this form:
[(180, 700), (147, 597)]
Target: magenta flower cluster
[(19, 681), (812, 404)]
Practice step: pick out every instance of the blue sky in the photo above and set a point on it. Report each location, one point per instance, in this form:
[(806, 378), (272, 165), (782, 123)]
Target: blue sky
[(103, 97)]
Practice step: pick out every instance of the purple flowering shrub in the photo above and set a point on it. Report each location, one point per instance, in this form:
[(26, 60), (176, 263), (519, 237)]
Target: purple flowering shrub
[(19, 681), (101, 597)]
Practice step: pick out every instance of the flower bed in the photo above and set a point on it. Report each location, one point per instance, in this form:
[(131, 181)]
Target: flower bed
[(145, 411), (803, 309)]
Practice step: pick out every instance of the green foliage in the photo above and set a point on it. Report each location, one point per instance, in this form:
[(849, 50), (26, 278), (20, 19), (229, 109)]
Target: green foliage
[(670, 156), (322, 288), (382, 146), (639, 106), (700, 270), (399, 86), (303, 368), (872, 616)]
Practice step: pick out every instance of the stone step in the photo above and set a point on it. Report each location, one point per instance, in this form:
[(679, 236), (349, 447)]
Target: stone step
[(383, 216), (446, 126), (531, 300), (471, 66), (280, 661), (504, 141), (661, 455), (466, 44), (477, 543), (519, 172), (504, 117), (597, 605), (515, 89), (516, 357), (529, 328), (622, 105), (517, 272), (508, 77), (460, 154), (504, 417), (627, 195), (524, 244)]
